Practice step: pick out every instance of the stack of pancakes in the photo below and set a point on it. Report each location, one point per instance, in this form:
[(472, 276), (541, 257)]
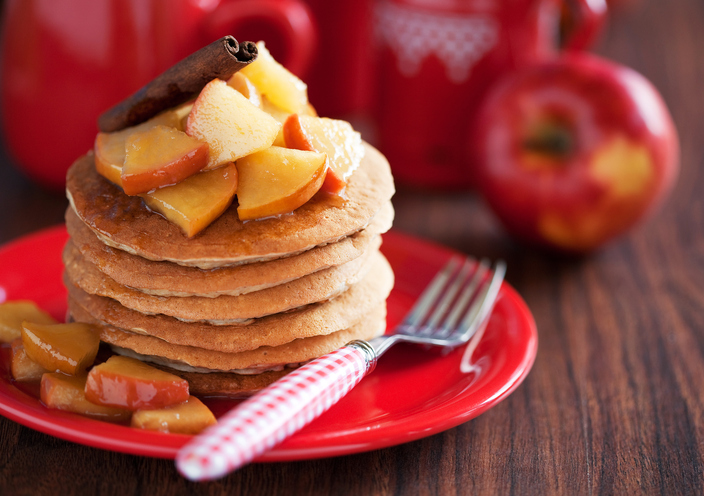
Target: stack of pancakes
[(240, 304)]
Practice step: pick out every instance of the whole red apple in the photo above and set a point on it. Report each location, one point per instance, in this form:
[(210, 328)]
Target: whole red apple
[(573, 152)]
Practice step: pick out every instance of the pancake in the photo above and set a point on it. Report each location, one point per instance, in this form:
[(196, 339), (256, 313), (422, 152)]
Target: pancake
[(168, 279), (125, 223), (226, 384), (263, 358), (318, 286), (317, 319)]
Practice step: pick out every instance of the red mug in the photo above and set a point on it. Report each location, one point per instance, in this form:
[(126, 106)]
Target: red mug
[(66, 61), (437, 58)]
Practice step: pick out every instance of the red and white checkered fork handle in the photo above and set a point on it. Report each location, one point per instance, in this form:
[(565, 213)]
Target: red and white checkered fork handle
[(275, 413)]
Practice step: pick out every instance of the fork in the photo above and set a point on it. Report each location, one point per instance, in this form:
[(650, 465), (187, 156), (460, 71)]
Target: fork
[(453, 307)]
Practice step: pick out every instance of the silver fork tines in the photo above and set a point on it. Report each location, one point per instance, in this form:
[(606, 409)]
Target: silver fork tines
[(433, 324), (478, 313), (450, 324), (452, 308), (432, 292)]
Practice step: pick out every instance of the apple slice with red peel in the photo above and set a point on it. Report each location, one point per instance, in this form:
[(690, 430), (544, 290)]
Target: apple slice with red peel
[(278, 114), (160, 156), (109, 153), (64, 392), (337, 139), (191, 417), (110, 148), (194, 203), (69, 348), (23, 368), (281, 116), (277, 181), (241, 83), (230, 124), (128, 383), (13, 313), (278, 84)]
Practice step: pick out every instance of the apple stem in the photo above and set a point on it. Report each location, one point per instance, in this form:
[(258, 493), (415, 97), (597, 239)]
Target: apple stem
[(555, 141)]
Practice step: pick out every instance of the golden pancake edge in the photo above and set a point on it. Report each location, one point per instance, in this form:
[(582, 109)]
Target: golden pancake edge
[(224, 309), (316, 319), (169, 279), (263, 358)]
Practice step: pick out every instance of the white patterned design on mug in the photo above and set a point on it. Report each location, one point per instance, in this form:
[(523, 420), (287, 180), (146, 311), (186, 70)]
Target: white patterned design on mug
[(458, 40)]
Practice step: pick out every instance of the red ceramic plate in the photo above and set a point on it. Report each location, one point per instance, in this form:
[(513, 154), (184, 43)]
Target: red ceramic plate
[(412, 393)]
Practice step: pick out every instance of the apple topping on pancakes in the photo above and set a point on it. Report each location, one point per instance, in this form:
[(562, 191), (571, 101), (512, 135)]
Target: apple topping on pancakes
[(234, 269), (238, 121)]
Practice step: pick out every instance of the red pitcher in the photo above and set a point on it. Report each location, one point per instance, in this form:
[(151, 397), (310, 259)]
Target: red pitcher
[(438, 58)]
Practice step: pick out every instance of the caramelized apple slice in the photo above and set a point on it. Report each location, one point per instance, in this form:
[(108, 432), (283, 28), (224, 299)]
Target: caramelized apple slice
[(193, 204), (281, 116), (337, 139), (277, 181), (64, 392), (126, 382), (69, 348), (277, 114), (309, 110), (109, 157), (182, 112), (274, 81), (110, 147), (160, 156), (229, 123), (13, 313), (191, 417), (241, 83), (22, 367)]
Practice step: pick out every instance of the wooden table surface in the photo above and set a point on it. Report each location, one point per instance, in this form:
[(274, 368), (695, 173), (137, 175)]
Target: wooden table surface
[(613, 403)]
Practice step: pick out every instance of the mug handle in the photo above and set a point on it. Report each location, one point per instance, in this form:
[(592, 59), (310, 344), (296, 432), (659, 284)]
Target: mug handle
[(292, 18), (590, 16)]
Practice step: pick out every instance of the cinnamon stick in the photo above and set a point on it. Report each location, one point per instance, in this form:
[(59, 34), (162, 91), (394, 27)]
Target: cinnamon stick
[(180, 83)]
